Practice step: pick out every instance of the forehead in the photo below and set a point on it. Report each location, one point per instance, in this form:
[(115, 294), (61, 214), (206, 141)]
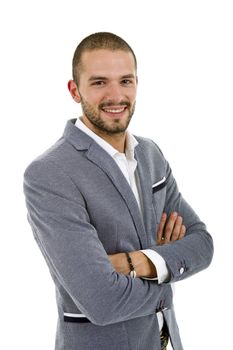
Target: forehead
[(107, 62)]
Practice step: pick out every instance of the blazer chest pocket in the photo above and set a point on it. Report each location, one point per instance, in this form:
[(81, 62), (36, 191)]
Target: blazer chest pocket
[(158, 197)]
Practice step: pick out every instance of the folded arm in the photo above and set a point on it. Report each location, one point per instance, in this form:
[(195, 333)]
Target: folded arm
[(183, 242), (170, 229)]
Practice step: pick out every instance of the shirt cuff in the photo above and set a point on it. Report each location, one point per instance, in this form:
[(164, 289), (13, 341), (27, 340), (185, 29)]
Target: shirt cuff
[(160, 265)]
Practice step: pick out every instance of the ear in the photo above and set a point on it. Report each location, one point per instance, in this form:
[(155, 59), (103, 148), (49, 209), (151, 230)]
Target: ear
[(74, 91)]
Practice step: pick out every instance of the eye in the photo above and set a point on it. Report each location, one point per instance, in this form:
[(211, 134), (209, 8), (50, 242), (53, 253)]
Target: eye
[(98, 83), (126, 82)]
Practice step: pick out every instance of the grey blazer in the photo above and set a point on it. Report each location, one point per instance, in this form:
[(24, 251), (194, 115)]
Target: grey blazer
[(81, 208)]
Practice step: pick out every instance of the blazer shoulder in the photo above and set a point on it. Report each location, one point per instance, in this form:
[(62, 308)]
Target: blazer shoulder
[(47, 174), (149, 145), (48, 159)]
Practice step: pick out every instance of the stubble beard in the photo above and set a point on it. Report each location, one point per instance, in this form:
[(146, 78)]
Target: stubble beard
[(94, 116)]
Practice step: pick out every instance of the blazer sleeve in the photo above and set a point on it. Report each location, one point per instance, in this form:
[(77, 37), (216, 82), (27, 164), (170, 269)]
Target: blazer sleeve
[(194, 252), (58, 215)]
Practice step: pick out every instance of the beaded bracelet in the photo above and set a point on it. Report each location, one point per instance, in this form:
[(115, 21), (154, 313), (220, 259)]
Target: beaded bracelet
[(132, 273)]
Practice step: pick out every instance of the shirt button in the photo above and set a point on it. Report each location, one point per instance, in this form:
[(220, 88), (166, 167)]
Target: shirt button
[(181, 270)]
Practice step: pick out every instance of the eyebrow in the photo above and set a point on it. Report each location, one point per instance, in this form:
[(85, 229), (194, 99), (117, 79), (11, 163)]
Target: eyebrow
[(96, 78), (128, 76)]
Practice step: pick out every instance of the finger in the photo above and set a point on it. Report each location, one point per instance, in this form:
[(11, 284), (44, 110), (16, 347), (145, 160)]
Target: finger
[(182, 232), (161, 228), (169, 227), (177, 228)]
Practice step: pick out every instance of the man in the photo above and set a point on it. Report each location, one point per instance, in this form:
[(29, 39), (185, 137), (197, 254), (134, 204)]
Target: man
[(107, 215)]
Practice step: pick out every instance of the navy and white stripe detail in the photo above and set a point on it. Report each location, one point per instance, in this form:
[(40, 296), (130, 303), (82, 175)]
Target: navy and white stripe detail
[(76, 318), (159, 185)]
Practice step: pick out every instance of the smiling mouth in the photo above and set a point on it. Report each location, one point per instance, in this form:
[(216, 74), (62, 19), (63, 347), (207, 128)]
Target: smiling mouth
[(114, 110)]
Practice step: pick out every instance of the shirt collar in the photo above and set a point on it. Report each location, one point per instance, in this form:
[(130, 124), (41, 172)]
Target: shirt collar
[(131, 141)]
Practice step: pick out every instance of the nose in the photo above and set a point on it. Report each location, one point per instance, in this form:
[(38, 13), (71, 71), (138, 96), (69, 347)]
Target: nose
[(114, 93)]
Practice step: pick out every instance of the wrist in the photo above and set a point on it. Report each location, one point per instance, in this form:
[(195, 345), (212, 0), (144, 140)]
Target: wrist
[(132, 271), (143, 265)]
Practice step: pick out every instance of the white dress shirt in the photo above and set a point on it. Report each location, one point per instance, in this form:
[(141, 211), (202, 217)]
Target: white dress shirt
[(128, 164)]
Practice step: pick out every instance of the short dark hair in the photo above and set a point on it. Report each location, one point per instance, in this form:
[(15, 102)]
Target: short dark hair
[(96, 41)]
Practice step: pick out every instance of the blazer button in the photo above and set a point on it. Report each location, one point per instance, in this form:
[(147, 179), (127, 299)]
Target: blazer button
[(181, 270)]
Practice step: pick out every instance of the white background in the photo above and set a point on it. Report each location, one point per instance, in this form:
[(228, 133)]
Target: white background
[(185, 58)]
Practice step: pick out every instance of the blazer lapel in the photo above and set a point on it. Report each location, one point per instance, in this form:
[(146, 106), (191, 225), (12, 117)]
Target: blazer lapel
[(104, 161)]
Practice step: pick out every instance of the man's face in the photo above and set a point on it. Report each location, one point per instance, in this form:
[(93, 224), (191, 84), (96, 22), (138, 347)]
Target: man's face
[(107, 90)]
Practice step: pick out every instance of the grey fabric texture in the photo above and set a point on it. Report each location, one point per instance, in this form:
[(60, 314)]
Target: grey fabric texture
[(81, 208)]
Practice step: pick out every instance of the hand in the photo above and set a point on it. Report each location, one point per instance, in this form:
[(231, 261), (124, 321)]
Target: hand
[(170, 229)]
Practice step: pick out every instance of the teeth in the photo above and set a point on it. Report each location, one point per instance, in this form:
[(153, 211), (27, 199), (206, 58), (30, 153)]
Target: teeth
[(114, 110)]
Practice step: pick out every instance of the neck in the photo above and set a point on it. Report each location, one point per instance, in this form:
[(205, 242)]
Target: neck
[(117, 140)]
